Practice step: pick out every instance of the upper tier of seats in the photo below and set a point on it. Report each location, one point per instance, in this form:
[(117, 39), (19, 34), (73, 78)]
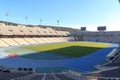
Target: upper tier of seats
[(29, 31), (14, 35), (108, 36)]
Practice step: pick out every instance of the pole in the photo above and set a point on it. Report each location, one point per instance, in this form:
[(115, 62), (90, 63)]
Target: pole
[(7, 14), (58, 24), (40, 21), (26, 20)]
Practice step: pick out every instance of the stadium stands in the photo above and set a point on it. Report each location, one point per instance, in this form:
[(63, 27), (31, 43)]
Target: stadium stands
[(3, 44), (39, 40), (8, 74), (112, 74), (30, 41), (46, 76), (16, 35), (108, 36), (21, 41), (6, 30), (109, 70), (9, 41)]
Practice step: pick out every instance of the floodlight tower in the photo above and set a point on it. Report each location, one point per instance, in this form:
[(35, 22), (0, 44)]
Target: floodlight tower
[(26, 20), (7, 14), (58, 24), (40, 21)]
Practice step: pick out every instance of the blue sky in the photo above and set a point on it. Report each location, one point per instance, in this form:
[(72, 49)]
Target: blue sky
[(71, 13)]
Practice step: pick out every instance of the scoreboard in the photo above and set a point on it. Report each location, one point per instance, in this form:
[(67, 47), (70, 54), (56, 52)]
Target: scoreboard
[(83, 28), (101, 28)]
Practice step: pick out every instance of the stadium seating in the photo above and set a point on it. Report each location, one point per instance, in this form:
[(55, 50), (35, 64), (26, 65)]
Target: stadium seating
[(6, 30), (108, 36), (30, 41), (3, 44), (15, 35), (39, 40), (46, 76), (37, 77), (106, 73), (36, 30), (17, 31), (8, 74), (21, 41), (9, 41)]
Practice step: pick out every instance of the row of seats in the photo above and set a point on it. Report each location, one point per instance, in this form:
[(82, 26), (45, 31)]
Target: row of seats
[(115, 58), (113, 74), (96, 33), (108, 36), (34, 30), (4, 69), (46, 76), (8, 69), (9, 74), (4, 42), (100, 39)]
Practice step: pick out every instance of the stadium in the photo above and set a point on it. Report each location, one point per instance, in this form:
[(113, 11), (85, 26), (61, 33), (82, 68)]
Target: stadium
[(39, 52), (58, 40)]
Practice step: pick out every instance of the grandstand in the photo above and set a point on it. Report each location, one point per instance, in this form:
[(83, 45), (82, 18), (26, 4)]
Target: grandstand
[(14, 35), (102, 64), (107, 37)]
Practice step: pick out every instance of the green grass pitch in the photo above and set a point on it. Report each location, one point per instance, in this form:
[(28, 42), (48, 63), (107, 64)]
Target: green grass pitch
[(72, 49)]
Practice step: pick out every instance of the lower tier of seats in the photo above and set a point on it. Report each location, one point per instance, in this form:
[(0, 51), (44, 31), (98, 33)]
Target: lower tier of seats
[(4, 42)]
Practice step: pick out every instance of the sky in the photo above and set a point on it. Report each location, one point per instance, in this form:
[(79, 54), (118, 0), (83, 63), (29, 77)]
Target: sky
[(70, 13)]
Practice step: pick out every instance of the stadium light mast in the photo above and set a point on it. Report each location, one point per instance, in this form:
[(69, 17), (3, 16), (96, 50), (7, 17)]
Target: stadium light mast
[(7, 14), (26, 20), (40, 21), (58, 24)]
